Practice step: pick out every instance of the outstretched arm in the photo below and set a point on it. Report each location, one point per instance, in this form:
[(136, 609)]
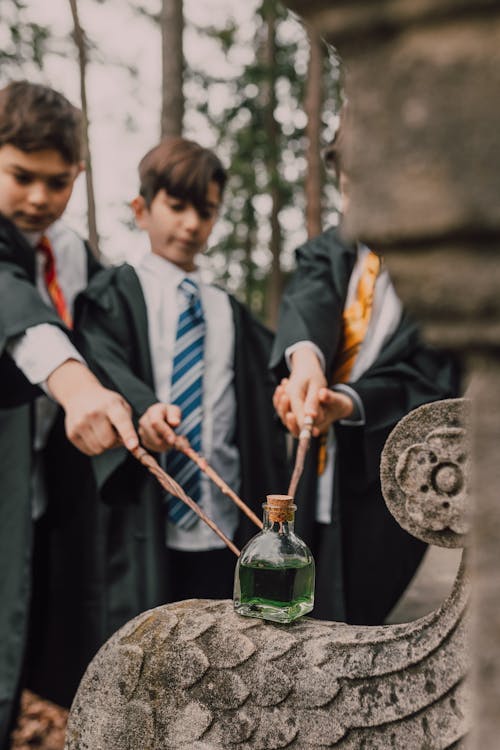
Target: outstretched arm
[(43, 357), (312, 304), (96, 417)]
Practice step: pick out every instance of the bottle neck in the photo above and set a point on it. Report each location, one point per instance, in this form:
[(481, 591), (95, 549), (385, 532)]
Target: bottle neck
[(270, 523)]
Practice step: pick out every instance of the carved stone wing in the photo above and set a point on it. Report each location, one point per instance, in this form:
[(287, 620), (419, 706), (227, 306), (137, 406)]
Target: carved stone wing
[(196, 675)]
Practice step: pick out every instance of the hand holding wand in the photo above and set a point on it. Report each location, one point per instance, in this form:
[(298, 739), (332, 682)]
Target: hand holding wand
[(303, 447), (170, 485)]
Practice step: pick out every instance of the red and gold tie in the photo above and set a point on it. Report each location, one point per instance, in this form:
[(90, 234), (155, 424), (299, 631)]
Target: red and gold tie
[(50, 276), (355, 321)]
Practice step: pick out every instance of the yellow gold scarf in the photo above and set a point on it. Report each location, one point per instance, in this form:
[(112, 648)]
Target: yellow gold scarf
[(355, 321)]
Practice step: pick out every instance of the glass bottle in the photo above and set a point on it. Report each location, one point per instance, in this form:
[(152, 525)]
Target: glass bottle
[(274, 577)]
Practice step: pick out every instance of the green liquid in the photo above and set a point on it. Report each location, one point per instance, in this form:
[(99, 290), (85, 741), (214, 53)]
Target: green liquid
[(276, 593)]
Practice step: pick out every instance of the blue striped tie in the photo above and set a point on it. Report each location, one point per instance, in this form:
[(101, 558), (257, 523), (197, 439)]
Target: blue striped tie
[(186, 393)]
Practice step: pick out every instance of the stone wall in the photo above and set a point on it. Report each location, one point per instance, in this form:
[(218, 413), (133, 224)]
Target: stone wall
[(422, 152)]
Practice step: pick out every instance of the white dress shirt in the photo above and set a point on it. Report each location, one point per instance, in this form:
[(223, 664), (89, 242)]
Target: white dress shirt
[(42, 348), (160, 280)]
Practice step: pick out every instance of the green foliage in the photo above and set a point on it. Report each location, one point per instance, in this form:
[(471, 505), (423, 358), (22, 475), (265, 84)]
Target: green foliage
[(263, 144), (21, 40), (263, 148), (226, 37)]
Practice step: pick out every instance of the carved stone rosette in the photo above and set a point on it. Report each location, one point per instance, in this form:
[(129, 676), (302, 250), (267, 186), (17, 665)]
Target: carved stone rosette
[(425, 472)]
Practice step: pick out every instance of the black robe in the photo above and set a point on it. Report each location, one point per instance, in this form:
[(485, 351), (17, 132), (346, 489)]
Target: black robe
[(364, 558), (20, 308), (114, 551)]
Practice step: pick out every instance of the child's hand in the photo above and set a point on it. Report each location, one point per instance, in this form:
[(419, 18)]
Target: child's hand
[(96, 417), (333, 406), (298, 395), (324, 405), (155, 426)]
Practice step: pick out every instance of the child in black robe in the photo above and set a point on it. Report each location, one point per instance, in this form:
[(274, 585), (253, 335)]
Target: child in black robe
[(128, 328), (43, 265), (350, 356)]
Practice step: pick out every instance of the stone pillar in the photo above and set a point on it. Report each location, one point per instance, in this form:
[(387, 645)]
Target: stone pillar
[(486, 553), (422, 153)]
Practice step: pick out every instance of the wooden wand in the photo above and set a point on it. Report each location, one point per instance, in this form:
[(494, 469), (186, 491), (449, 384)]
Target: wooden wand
[(303, 447), (182, 444), (170, 485)]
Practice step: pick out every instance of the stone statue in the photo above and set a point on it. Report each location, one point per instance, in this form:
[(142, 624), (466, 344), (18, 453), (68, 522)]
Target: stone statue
[(196, 675)]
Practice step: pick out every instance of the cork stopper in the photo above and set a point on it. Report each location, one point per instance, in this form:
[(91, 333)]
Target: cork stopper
[(280, 508)]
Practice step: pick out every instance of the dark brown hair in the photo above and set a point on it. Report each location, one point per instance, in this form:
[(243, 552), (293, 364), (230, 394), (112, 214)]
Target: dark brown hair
[(35, 117), (183, 168)]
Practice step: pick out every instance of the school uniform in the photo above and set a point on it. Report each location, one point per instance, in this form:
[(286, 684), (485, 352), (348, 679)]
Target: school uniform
[(33, 341), (131, 552), (364, 558)]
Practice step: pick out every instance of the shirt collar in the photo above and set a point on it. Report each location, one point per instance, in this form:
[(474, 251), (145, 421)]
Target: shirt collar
[(52, 233), (166, 272)]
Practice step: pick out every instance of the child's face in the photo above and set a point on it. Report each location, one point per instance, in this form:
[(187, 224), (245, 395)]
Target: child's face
[(34, 187), (177, 230)]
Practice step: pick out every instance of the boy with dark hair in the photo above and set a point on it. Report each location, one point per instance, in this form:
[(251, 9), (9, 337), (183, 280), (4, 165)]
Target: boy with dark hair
[(188, 357), (35, 118), (43, 265)]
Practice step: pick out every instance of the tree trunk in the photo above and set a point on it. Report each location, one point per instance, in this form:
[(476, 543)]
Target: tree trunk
[(248, 246), (313, 107), (172, 107), (275, 280), (79, 37)]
